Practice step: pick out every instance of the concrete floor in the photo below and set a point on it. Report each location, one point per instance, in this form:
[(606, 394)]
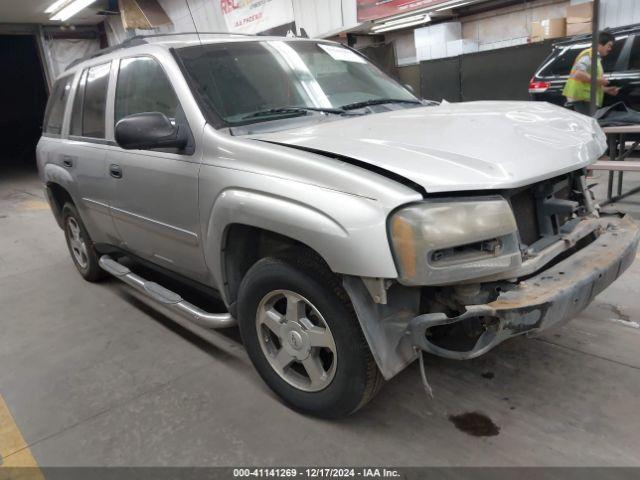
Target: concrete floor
[(92, 377)]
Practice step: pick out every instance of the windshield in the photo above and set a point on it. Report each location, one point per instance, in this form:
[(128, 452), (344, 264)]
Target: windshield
[(246, 82)]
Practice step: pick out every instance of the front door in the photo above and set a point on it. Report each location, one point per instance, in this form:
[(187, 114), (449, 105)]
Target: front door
[(155, 192)]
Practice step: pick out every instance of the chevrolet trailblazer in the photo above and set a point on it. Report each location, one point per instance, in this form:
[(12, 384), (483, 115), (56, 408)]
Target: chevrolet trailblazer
[(347, 225)]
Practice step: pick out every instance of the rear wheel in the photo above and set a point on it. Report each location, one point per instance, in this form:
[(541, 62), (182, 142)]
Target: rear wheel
[(83, 254), (303, 337)]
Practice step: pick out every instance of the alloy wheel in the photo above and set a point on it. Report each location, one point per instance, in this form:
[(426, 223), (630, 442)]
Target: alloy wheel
[(296, 340), (77, 243)]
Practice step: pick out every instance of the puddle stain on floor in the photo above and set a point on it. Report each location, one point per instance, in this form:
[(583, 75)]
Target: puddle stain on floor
[(475, 424)]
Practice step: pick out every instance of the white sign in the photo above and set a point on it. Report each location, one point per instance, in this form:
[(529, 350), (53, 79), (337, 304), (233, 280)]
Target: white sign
[(255, 16), (342, 54)]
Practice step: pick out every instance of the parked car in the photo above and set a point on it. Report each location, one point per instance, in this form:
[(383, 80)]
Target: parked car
[(621, 66), (345, 224)]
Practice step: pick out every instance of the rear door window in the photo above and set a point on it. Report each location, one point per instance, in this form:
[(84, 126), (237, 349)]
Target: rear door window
[(94, 102), (561, 62), (54, 115), (609, 62)]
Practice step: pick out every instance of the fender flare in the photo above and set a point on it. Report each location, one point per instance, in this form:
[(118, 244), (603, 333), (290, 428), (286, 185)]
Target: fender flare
[(284, 216), (56, 175)]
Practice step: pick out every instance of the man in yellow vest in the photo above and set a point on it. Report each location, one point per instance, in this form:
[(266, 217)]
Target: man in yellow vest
[(578, 87)]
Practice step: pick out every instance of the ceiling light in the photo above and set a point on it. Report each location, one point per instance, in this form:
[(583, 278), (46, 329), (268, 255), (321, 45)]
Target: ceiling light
[(55, 6), (396, 26), (449, 7), (70, 10), (399, 20), (402, 15)]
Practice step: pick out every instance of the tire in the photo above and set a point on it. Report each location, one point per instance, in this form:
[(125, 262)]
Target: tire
[(350, 376), (81, 249)]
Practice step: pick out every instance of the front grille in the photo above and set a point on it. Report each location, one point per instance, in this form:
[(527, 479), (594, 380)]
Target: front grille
[(524, 209), (543, 208)]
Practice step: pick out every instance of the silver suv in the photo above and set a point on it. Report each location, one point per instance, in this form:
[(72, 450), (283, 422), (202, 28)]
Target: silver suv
[(347, 225)]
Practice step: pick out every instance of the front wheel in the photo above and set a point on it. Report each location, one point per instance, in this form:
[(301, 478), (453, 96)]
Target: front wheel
[(303, 337)]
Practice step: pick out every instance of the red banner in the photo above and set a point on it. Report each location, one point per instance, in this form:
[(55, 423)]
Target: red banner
[(374, 9)]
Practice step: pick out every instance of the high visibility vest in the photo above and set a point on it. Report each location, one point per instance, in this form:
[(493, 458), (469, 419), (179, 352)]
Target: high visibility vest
[(579, 90)]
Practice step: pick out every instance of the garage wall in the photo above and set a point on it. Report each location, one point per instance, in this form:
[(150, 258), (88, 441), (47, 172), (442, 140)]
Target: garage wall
[(440, 79), (319, 18), (200, 15), (502, 74), (410, 75), (61, 52), (510, 26), (618, 13), (324, 18)]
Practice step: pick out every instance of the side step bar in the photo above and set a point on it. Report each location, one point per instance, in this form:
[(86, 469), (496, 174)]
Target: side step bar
[(160, 296)]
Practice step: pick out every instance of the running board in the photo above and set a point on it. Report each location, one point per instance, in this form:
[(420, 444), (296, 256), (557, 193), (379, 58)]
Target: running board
[(157, 295)]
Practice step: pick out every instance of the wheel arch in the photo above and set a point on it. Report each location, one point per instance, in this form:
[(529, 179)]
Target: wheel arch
[(243, 245), (336, 235), (58, 196)]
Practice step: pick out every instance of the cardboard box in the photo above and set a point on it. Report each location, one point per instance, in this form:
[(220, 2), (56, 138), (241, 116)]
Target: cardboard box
[(580, 13), (548, 28), (578, 28)]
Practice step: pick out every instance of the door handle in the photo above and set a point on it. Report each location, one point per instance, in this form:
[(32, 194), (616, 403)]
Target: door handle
[(115, 171), (67, 161)]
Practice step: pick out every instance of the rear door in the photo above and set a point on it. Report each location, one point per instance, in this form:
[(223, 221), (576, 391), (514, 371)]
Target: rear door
[(86, 151), (155, 193)]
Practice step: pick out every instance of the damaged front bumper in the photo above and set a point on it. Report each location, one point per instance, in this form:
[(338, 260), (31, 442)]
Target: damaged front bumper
[(549, 298)]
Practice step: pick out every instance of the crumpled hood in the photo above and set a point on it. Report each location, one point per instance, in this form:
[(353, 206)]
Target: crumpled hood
[(461, 146)]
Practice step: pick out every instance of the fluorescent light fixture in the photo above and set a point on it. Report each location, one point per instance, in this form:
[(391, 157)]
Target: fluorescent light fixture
[(70, 10), (402, 15), (398, 21), (55, 6), (449, 7), (397, 26)]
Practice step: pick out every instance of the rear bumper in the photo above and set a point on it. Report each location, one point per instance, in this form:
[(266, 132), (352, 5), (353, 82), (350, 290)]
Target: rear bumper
[(552, 297)]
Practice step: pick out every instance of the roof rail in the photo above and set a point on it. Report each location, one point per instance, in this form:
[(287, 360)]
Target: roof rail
[(130, 42), (141, 40)]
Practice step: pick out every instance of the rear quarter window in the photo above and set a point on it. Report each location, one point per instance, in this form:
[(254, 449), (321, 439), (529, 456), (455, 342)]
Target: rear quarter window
[(54, 115)]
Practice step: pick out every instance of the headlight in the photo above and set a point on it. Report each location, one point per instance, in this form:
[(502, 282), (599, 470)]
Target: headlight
[(449, 240)]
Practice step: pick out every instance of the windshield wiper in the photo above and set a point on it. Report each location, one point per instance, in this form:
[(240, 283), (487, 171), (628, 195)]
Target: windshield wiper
[(377, 101), (292, 110)]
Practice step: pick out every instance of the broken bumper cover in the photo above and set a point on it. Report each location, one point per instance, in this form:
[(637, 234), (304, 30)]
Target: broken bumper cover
[(552, 297)]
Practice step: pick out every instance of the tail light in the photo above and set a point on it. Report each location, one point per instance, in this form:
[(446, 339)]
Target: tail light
[(538, 87)]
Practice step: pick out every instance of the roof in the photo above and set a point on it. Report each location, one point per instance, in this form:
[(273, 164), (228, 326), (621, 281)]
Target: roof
[(178, 40)]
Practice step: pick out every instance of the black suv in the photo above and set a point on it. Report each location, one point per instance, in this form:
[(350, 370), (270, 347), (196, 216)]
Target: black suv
[(621, 66)]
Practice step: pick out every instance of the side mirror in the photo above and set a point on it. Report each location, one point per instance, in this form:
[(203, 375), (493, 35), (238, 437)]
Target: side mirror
[(149, 130), (409, 87)]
